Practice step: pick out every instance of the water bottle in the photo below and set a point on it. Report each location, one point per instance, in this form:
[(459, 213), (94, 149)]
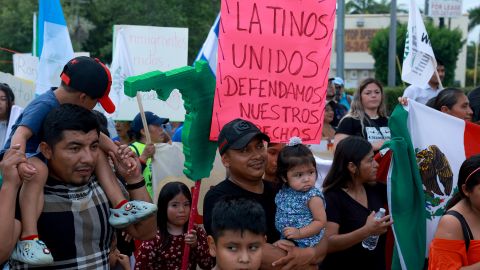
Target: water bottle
[(370, 242)]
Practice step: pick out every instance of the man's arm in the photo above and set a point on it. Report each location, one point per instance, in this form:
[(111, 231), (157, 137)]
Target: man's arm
[(10, 228), (296, 258)]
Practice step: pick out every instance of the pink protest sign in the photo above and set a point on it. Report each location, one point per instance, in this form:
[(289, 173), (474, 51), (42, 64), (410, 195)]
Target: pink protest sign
[(273, 66)]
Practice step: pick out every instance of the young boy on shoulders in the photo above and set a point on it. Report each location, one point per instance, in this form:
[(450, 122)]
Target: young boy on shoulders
[(238, 234)]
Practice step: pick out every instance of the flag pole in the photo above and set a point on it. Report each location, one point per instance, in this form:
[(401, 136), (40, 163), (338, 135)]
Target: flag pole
[(144, 119), (438, 77), (400, 69), (191, 221)]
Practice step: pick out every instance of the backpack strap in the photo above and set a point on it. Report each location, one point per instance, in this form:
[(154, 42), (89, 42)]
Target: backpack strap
[(467, 233), (135, 148)]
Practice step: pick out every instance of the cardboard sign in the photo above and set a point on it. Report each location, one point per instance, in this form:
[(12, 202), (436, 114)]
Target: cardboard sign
[(273, 65)]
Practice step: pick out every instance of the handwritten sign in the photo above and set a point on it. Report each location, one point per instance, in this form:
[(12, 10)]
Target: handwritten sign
[(140, 49), (25, 65), (273, 65), (155, 48), (24, 90)]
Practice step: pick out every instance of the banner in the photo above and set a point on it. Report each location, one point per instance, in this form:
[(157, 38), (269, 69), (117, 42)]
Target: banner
[(140, 49), (273, 65), (418, 59)]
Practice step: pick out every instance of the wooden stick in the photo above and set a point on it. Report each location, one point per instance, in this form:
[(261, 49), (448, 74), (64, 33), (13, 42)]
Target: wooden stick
[(144, 119), (191, 220), (438, 78), (400, 69)]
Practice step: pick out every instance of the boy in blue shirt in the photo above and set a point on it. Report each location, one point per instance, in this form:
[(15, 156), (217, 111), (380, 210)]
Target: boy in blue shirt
[(85, 81)]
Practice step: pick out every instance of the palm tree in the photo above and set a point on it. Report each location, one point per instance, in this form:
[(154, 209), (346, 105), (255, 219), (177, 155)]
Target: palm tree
[(474, 17), (369, 7)]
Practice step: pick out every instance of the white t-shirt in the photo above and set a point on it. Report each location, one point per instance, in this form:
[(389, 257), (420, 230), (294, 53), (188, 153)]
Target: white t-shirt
[(421, 95)]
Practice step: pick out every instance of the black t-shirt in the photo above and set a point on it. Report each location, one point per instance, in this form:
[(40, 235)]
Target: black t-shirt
[(228, 188), (351, 215), (374, 129)]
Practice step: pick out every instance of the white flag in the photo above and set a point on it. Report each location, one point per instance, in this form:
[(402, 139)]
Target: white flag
[(121, 69), (210, 47), (418, 60)]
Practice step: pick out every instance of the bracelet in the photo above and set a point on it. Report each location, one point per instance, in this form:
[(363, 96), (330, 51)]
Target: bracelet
[(137, 185)]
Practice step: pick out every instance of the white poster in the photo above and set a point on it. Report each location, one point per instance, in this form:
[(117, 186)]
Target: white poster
[(24, 90), (141, 49)]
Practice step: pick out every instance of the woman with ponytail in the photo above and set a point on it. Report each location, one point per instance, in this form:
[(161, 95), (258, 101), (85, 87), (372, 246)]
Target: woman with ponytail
[(456, 244)]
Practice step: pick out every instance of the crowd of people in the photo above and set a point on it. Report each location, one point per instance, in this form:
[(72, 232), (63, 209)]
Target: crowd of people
[(72, 198)]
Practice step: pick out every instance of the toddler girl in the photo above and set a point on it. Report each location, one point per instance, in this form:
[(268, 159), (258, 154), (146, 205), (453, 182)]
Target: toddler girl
[(300, 215)]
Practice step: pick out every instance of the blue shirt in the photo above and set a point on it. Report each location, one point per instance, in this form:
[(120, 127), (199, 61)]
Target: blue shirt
[(32, 117)]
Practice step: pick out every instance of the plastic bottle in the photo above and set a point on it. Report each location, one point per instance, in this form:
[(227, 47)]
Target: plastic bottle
[(370, 242)]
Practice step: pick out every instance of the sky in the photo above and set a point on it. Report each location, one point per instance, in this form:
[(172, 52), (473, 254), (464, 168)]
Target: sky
[(466, 5)]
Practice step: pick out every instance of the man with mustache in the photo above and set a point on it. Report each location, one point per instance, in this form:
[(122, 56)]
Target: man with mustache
[(74, 221), (242, 148)]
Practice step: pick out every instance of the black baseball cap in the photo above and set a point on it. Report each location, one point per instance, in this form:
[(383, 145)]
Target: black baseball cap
[(90, 76), (237, 133), (152, 119)]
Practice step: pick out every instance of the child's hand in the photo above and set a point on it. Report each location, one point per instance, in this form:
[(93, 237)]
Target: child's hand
[(124, 261), (191, 238), (127, 237), (291, 233), (122, 166), (26, 171), (9, 165), (127, 156)]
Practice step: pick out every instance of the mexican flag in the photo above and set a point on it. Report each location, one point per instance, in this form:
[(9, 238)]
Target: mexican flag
[(428, 149)]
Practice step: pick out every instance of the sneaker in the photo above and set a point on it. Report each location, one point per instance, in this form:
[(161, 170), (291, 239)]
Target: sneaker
[(131, 213), (33, 252)]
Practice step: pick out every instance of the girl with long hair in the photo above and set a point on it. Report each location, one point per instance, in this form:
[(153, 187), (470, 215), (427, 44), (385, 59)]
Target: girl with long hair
[(352, 198), (165, 251), (456, 243), (367, 116)]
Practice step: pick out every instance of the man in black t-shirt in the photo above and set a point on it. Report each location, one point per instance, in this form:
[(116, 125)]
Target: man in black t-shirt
[(242, 148)]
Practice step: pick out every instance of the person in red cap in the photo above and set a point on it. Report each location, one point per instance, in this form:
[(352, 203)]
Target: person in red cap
[(84, 82)]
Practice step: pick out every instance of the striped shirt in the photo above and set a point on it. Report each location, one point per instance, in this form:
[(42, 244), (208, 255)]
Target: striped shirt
[(74, 225)]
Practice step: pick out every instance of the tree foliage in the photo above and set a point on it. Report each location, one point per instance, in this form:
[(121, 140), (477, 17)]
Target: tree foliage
[(446, 45), (473, 17), (91, 22), (370, 7)]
